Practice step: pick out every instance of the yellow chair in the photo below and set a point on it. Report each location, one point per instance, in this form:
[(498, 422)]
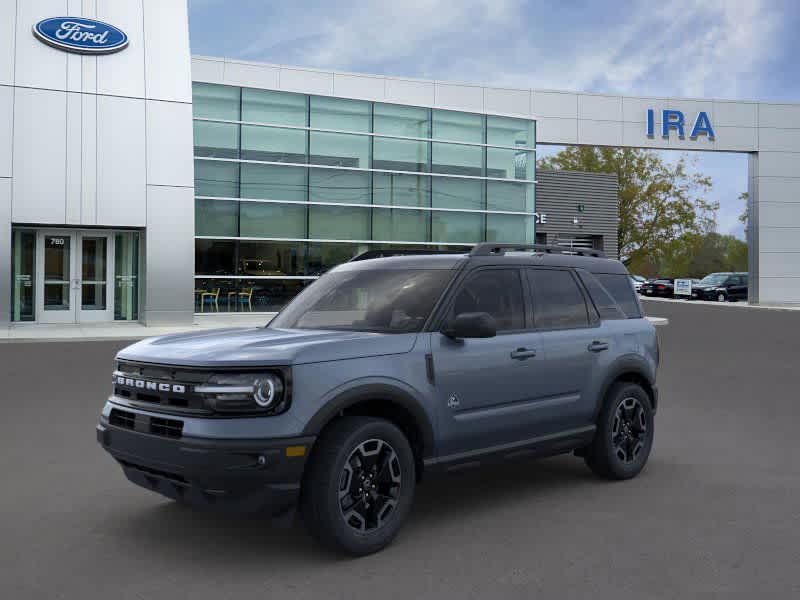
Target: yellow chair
[(211, 297), (246, 295)]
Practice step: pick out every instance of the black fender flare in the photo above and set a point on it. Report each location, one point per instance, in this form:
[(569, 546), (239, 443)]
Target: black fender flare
[(370, 392), (628, 364)]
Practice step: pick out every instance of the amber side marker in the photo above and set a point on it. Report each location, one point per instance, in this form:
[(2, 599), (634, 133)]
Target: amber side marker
[(292, 451)]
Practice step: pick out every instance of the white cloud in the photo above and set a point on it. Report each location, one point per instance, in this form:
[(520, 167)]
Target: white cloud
[(686, 47)]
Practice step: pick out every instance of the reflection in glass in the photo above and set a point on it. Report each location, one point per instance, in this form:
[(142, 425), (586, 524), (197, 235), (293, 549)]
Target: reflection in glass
[(280, 108), (401, 190), (219, 140), (509, 228), (509, 164), (338, 222), (215, 257), (510, 196), (262, 219), (339, 150), (400, 155), (56, 272), (273, 144), (400, 225), (451, 192), (338, 185), (214, 295), (216, 217), (93, 273), (324, 256), (457, 159), (273, 182), (457, 126), (216, 178), (23, 260), (466, 228), (507, 131), (341, 114), (406, 121), (215, 101), (126, 276), (272, 258)]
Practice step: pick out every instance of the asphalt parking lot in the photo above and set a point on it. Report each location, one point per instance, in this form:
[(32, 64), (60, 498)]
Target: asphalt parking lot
[(715, 514)]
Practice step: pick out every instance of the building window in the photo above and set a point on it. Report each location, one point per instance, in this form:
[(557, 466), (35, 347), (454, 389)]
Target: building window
[(355, 171), (126, 276), (215, 101), (278, 108), (23, 261)]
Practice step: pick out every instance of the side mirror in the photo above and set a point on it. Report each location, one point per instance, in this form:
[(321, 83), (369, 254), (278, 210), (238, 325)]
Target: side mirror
[(471, 325)]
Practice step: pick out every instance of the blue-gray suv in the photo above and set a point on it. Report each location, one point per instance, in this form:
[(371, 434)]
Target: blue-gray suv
[(390, 367)]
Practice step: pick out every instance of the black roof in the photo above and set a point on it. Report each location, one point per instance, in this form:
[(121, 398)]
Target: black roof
[(507, 254)]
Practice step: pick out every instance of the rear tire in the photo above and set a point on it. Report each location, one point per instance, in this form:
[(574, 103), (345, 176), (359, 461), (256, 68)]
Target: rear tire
[(624, 435), (359, 485)]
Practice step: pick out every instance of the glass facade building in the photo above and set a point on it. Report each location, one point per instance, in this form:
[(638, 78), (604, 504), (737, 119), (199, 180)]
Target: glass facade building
[(289, 185)]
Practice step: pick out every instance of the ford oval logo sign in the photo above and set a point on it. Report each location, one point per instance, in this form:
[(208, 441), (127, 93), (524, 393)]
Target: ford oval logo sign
[(76, 34)]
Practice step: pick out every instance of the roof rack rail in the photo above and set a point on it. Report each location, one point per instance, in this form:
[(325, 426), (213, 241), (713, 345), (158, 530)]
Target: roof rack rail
[(489, 248), (387, 252)]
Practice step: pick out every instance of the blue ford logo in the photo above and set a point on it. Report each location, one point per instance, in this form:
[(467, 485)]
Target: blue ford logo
[(76, 34)]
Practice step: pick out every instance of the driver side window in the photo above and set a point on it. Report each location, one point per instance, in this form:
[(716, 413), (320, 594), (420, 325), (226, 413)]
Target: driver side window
[(497, 292)]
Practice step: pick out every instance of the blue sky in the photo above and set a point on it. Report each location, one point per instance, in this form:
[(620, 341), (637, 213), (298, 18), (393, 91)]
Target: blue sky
[(740, 49)]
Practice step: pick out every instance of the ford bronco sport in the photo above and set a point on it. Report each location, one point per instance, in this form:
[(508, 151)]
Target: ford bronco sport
[(385, 369)]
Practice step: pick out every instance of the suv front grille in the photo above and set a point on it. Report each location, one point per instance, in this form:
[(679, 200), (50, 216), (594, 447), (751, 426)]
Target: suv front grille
[(171, 428), (160, 388)]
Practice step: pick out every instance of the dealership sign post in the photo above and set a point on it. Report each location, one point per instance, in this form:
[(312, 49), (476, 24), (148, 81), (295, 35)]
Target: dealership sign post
[(84, 36), (683, 287)]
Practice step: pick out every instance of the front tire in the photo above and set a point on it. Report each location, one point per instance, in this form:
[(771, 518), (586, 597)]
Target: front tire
[(359, 486), (624, 435), (722, 297)]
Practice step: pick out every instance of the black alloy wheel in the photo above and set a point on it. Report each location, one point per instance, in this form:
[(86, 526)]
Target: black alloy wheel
[(370, 484), (624, 435), (629, 430), (359, 485)]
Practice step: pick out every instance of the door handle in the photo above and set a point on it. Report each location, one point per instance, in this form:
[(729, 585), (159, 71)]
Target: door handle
[(523, 353), (598, 346)]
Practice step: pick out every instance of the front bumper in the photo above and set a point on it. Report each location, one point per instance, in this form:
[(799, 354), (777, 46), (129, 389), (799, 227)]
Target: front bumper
[(245, 476)]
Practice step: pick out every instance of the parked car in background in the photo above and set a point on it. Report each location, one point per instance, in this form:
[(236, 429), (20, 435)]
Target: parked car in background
[(638, 281), (722, 287), (661, 288)]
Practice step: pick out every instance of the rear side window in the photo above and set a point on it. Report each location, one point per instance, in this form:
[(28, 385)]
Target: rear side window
[(494, 291), (606, 306), (621, 290), (558, 302)]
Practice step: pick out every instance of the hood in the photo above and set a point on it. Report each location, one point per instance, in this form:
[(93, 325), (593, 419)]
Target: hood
[(262, 346)]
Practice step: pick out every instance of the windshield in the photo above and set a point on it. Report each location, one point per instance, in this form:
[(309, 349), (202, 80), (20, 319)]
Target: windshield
[(385, 301), (714, 279)]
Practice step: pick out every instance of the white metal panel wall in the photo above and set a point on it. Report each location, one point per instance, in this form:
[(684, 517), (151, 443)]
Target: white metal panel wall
[(169, 144), (167, 58), (169, 254), (121, 161), (39, 156), (8, 25), (121, 73), (36, 64), (6, 128)]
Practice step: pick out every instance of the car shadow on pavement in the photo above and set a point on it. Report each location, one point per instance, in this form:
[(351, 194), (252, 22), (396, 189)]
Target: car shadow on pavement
[(175, 531)]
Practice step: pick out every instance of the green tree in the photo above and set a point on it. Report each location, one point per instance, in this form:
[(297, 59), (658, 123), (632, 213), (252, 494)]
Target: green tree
[(659, 202)]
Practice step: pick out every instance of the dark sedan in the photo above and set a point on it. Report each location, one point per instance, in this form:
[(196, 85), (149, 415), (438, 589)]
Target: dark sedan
[(722, 287), (661, 288)]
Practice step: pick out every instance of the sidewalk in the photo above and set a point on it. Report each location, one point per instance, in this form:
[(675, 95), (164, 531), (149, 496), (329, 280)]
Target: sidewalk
[(87, 332)]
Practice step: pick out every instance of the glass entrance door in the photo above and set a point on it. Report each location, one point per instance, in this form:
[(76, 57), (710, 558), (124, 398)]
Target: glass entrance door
[(56, 277), (94, 301), (73, 274)]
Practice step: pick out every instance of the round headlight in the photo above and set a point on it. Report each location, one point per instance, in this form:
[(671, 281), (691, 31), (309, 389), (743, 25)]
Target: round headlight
[(266, 390)]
